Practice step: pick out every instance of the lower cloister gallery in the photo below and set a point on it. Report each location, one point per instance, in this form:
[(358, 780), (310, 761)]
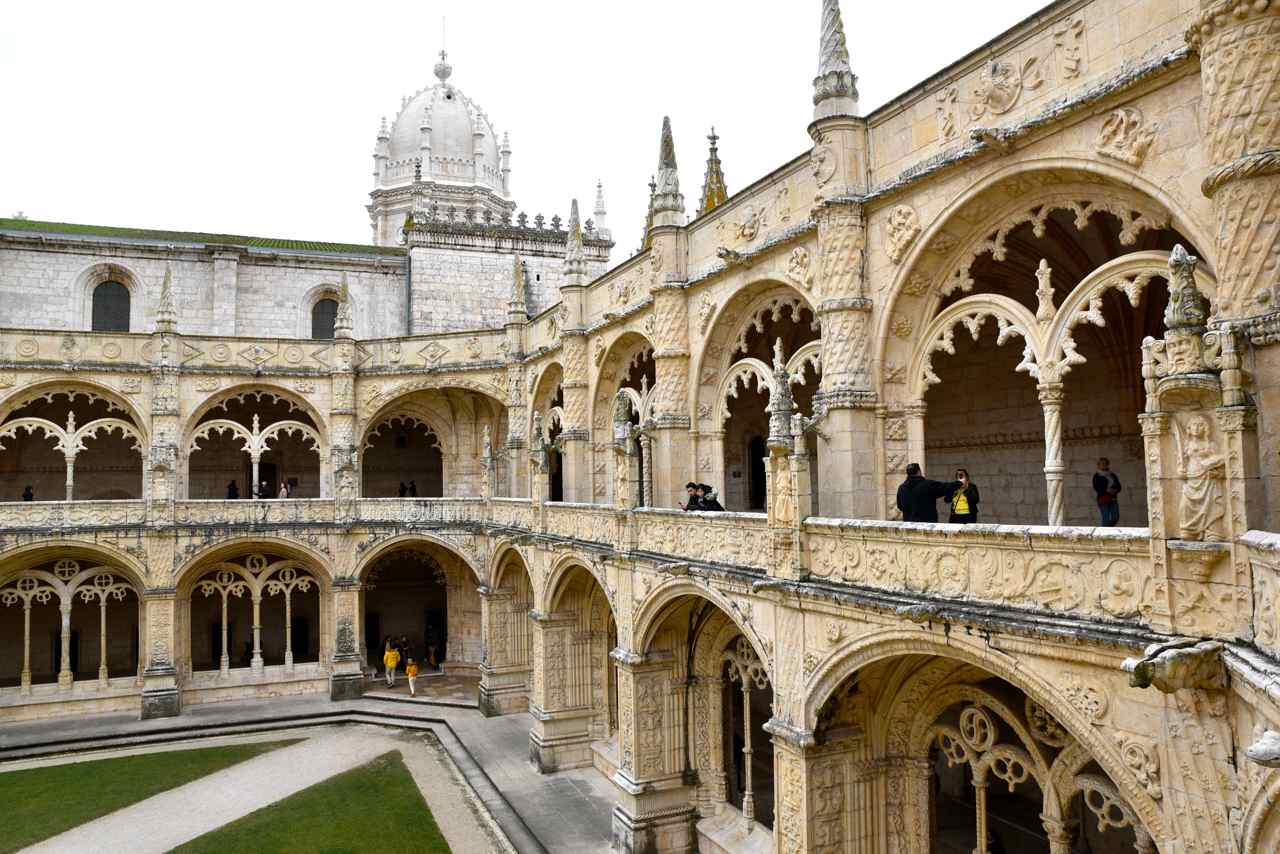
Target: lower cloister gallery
[(1062, 248)]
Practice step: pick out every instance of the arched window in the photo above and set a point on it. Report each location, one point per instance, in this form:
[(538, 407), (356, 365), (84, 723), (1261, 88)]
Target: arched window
[(323, 314), (110, 308)]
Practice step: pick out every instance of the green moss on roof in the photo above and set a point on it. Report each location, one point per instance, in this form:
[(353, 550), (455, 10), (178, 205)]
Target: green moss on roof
[(32, 225)]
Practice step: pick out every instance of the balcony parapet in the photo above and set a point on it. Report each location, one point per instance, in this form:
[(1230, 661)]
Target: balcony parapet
[(1104, 576), (1101, 573)]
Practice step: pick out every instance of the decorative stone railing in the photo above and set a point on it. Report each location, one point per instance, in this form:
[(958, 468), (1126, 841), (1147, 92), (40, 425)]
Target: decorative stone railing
[(1264, 561), (252, 512), (1105, 573), (733, 538), (511, 513), (1100, 574), (74, 348), (420, 511), (61, 515), (590, 522)]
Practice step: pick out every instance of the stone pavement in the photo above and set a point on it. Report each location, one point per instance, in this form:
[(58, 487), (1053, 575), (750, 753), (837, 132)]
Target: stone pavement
[(567, 812)]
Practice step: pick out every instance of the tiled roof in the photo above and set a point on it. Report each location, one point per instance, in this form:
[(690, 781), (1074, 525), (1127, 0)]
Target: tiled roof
[(149, 234)]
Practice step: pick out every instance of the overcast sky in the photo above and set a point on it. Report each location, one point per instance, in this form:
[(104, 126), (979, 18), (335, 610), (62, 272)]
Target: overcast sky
[(260, 118)]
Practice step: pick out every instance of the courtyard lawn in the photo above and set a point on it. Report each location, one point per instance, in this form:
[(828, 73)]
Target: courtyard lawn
[(43, 802), (376, 807)]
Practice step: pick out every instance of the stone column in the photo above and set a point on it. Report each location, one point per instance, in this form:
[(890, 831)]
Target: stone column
[(25, 682), (561, 734), (980, 814), (503, 684), (656, 804), (1239, 45), (671, 461), (1061, 833), (256, 663), (346, 678), (344, 445), (70, 459), (65, 675), (103, 672), (848, 452), (575, 437), (161, 692), (792, 831), (1051, 397)]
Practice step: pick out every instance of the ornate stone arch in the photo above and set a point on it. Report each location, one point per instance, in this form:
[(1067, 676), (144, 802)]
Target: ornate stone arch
[(1261, 826), (972, 313), (554, 587), (1129, 274), (847, 660), (612, 364), (259, 389), (647, 617), (366, 561), (383, 401), (110, 271), (19, 560), (741, 374), (190, 570), (727, 326), (973, 222), (503, 552), (92, 389)]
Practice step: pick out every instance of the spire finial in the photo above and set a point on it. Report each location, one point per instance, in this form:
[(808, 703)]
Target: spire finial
[(342, 325), (835, 89), (714, 191), (668, 204), (575, 260), (166, 312)]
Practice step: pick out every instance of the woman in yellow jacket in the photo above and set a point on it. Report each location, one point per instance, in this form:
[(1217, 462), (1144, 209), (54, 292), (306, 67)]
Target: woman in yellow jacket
[(390, 658)]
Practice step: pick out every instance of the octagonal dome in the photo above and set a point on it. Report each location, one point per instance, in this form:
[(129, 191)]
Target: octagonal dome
[(449, 132)]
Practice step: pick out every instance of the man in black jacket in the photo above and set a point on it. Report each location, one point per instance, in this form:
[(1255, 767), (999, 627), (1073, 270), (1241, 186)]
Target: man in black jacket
[(918, 496), (1106, 485)]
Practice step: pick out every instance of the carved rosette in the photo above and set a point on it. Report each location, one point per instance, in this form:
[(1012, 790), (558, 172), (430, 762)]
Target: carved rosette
[(1239, 44)]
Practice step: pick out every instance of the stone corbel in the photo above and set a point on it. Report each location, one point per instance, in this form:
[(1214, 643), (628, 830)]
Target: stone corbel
[(1177, 665)]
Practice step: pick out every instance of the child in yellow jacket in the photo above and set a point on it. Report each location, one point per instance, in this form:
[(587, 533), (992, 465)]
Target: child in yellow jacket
[(411, 670), (391, 658)]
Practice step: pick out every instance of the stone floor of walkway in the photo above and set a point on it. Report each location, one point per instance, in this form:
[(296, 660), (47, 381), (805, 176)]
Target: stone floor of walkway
[(568, 812), (433, 688)]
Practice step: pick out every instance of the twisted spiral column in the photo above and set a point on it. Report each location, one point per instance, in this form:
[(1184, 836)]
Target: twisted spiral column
[(1051, 397)]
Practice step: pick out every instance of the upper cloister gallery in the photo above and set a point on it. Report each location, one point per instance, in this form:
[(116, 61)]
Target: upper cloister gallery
[(1064, 246)]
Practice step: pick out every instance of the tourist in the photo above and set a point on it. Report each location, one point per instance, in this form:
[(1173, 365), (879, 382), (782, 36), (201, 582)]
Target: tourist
[(404, 490), (1107, 487), (918, 496), (390, 658), (284, 490), (963, 500), (233, 491), (413, 489), (264, 491), (28, 494), (707, 501), (691, 489), (292, 483), (411, 671)]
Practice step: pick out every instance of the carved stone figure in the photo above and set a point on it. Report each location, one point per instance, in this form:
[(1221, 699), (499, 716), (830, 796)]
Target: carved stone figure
[(1202, 467), (902, 229)]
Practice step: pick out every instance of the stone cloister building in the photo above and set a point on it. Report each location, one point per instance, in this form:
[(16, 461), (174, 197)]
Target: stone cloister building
[(1061, 247)]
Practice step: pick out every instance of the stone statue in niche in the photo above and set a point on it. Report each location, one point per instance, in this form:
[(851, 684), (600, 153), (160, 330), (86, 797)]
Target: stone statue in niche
[(784, 505), (1202, 468), (620, 497)]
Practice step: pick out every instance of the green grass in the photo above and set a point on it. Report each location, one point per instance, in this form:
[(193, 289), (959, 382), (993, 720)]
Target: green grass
[(43, 802), (376, 807)]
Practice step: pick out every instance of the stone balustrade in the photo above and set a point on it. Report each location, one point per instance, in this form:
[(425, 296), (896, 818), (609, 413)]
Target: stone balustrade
[(730, 538), (51, 516), (1097, 574)]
